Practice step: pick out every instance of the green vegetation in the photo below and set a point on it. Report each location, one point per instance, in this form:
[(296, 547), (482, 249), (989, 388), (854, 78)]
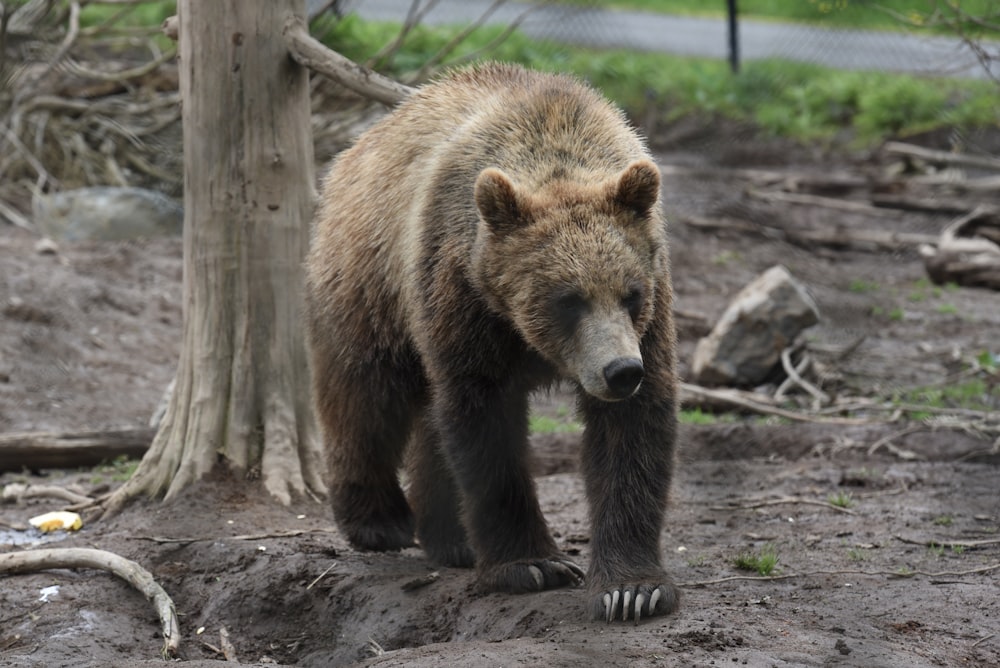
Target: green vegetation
[(696, 416), (783, 98), (762, 561), (936, 550), (841, 499), (118, 469), (862, 286), (888, 15), (543, 424), (943, 521), (857, 554)]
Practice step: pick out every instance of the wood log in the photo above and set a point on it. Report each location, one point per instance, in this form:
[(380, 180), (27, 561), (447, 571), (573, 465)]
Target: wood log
[(968, 252), (942, 157), (837, 237), (42, 450)]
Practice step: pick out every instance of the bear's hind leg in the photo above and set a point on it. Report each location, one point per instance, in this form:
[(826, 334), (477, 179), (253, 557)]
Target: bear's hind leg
[(366, 418), (435, 499)]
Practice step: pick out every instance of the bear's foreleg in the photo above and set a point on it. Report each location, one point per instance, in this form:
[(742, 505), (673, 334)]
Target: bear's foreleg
[(484, 431), (628, 455), (435, 499)]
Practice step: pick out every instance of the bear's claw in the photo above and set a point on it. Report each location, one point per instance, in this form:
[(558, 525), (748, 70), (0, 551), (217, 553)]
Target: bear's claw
[(534, 575), (637, 601)]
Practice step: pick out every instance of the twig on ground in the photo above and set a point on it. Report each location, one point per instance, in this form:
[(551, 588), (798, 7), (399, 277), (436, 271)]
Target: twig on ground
[(39, 560), (806, 574), (749, 505), (258, 536), (321, 576), (886, 442), (948, 542)]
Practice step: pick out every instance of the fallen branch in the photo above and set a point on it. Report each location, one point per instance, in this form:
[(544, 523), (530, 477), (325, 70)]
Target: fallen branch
[(902, 203), (697, 395), (798, 500), (838, 237), (18, 492), (942, 157), (76, 557), (949, 543), (893, 574), (43, 449), (817, 200)]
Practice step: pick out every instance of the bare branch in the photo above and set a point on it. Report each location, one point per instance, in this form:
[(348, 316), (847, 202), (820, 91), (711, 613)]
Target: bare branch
[(77, 557), (309, 52)]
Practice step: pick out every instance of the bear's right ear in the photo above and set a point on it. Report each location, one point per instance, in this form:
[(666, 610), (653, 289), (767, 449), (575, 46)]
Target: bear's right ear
[(499, 204)]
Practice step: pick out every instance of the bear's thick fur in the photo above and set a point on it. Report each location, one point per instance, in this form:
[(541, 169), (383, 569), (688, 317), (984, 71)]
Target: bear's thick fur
[(501, 230)]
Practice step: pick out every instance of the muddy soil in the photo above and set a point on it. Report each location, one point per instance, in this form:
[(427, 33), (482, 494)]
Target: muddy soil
[(907, 575)]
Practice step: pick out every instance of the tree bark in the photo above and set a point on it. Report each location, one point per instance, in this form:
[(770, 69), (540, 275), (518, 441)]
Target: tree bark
[(242, 389)]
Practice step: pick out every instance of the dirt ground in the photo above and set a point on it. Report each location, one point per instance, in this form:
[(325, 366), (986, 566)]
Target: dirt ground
[(907, 575)]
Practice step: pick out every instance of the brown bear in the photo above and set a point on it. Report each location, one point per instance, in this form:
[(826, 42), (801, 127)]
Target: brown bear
[(498, 232)]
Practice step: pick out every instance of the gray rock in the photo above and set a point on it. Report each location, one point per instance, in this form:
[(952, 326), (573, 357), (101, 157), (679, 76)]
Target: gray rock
[(107, 214), (762, 320)]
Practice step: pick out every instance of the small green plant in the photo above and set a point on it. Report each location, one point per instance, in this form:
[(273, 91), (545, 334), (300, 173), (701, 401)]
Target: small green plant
[(120, 469), (841, 499), (957, 549), (857, 554), (988, 361), (936, 549), (947, 309), (696, 561), (897, 314), (904, 572), (762, 561), (725, 257), (543, 424), (943, 521), (696, 416), (860, 285)]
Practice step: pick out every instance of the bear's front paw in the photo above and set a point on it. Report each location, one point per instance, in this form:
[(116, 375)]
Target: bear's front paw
[(531, 575), (635, 601)]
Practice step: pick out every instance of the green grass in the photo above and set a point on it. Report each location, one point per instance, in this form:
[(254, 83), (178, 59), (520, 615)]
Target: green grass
[(943, 521), (763, 561), (783, 98), (118, 469), (543, 424), (828, 13), (841, 499), (861, 286)]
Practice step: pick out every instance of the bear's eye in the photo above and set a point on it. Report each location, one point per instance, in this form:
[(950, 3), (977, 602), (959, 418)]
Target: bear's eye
[(632, 302), (568, 309)]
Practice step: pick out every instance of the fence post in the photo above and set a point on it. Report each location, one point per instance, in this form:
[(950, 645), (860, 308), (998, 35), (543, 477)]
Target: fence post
[(734, 42)]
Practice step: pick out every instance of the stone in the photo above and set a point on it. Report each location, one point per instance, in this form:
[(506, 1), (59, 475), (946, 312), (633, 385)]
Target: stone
[(106, 213), (746, 343)]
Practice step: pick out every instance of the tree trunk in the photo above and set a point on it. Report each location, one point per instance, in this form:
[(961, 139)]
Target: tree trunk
[(242, 387)]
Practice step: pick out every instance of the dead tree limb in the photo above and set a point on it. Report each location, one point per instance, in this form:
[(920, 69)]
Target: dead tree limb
[(942, 157), (77, 557), (839, 237), (41, 450), (310, 52)]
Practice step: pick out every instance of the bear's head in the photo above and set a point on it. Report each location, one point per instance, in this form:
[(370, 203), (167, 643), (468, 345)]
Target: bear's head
[(575, 268)]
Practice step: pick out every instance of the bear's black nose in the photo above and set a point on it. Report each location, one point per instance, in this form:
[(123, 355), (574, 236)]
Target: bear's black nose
[(623, 376)]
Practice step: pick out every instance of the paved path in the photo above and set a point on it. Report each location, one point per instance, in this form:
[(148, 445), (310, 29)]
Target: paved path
[(705, 37)]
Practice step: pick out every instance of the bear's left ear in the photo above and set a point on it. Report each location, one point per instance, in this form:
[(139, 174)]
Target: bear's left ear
[(499, 203), (638, 188)]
